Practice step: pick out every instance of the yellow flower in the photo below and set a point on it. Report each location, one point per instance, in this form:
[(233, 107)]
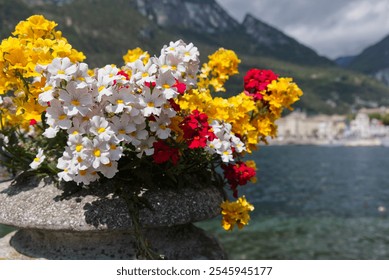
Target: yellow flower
[(34, 27), (283, 92), (221, 65), (174, 126), (236, 213), (134, 54), (35, 42)]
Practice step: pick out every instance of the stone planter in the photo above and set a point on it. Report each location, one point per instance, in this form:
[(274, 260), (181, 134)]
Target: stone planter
[(63, 224)]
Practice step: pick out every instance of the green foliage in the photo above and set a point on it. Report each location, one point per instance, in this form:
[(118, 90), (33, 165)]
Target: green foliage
[(384, 118), (372, 59)]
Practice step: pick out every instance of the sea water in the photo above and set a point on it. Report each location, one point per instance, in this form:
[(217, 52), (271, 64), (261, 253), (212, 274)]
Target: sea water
[(314, 202)]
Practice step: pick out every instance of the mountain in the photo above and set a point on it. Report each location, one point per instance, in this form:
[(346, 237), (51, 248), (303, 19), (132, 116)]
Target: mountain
[(373, 58), (373, 61), (205, 15), (280, 45), (344, 61), (207, 21), (105, 31)]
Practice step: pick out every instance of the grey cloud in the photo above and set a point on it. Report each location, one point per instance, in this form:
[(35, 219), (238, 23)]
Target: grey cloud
[(331, 27)]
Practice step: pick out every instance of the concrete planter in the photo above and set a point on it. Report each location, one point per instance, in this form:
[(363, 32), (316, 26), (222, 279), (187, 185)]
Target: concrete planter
[(93, 224)]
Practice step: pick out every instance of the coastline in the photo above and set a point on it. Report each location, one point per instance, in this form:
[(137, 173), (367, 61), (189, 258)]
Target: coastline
[(358, 142)]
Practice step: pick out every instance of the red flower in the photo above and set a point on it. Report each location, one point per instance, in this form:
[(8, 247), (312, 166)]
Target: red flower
[(122, 73), (238, 175), (150, 85), (256, 80), (174, 105), (33, 122), (181, 87), (163, 152), (197, 130)]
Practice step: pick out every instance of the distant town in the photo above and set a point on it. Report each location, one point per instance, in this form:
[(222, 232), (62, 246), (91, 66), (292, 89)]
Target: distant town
[(366, 128)]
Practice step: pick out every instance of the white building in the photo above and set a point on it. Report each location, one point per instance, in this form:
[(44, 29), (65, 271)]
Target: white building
[(298, 128)]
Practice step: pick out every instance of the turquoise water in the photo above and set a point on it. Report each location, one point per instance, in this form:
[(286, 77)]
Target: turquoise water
[(313, 203)]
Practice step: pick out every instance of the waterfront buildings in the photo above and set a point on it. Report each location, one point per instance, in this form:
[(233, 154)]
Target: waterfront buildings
[(362, 130)]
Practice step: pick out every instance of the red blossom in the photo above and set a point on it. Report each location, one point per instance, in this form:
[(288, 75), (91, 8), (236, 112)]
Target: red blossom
[(33, 122), (181, 87), (122, 73), (174, 105), (197, 130), (238, 174), (152, 118), (163, 152), (256, 80), (150, 85)]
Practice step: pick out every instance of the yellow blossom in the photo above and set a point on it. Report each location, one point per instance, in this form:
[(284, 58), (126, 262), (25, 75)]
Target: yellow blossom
[(221, 65), (283, 92), (236, 213), (134, 54), (35, 42)]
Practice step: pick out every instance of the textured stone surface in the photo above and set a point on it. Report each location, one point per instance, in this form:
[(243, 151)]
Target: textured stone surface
[(37, 205), (180, 242)]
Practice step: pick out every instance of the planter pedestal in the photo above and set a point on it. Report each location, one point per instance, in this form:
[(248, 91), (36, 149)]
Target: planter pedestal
[(93, 224)]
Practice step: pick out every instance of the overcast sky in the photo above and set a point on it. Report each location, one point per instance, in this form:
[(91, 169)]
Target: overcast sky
[(331, 27)]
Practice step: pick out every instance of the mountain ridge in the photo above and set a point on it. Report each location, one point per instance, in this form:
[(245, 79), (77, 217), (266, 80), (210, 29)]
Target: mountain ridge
[(107, 31)]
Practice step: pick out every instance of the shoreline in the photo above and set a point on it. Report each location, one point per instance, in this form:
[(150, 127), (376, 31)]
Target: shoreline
[(368, 142)]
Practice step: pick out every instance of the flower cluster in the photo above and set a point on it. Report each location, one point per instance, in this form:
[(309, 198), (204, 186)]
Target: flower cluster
[(34, 41), (238, 174), (114, 110), (256, 82), (236, 213), (156, 112)]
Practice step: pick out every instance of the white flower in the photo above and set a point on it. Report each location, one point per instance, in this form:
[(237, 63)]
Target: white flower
[(65, 163), (115, 151), (123, 127), (191, 53), (120, 100), (56, 115), (101, 128), (237, 144), (172, 62), (107, 75), (76, 99), (47, 95), (142, 73), (161, 127), (109, 170), (82, 73), (151, 102), (86, 176), (99, 153), (39, 158), (140, 134), (190, 75), (78, 127), (51, 131), (225, 142), (146, 146), (77, 150), (60, 69), (165, 83)]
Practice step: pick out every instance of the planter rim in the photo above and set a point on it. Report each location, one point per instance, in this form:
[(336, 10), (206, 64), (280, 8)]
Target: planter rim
[(38, 205)]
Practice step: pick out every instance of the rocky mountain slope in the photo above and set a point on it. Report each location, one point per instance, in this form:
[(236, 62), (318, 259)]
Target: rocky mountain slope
[(104, 31), (374, 61)]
